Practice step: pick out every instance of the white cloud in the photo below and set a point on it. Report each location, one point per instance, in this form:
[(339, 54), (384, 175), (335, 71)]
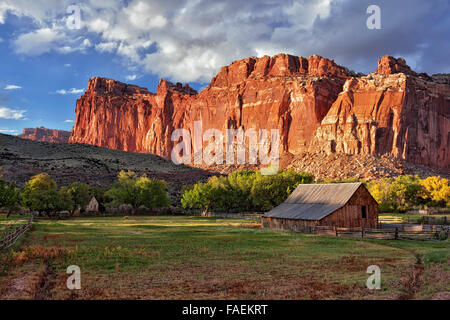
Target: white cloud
[(106, 46), (98, 25), (69, 91), (191, 40), (186, 41), (68, 121), (37, 42), (131, 77), (144, 16), (48, 39), (67, 65), (12, 114), (6, 130), (12, 87)]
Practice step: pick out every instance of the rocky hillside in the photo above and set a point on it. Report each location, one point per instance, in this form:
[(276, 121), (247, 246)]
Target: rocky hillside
[(45, 135), (66, 163), (316, 104)]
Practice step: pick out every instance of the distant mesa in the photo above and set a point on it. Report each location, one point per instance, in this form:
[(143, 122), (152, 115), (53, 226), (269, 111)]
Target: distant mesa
[(317, 106), (45, 135)]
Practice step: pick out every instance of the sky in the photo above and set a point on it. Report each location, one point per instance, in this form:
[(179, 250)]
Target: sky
[(50, 48)]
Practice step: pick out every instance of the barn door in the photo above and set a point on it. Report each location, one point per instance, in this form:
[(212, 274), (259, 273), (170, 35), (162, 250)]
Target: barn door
[(364, 211)]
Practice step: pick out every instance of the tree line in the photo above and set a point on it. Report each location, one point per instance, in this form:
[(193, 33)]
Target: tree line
[(251, 191), (241, 191), (410, 192), (41, 194)]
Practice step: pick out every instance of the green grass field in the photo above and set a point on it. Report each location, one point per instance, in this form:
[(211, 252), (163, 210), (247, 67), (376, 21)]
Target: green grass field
[(207, 258)]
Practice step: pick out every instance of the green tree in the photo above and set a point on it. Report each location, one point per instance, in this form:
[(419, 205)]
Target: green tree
[(100, 194), (9, 196), (152, 192), (406, 191), (198, 196), (243, 191), (80, 193), (40, 194), (64, 200), (381, 192), (137, 191), (270, 191)]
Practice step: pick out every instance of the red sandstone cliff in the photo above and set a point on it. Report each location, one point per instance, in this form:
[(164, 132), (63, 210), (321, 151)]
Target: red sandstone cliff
[(45, 135), (316, 105), (392, 111)]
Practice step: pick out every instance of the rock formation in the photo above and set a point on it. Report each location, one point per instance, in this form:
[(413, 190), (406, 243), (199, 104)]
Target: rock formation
[(315, 103), (392, 111), (45, 135)]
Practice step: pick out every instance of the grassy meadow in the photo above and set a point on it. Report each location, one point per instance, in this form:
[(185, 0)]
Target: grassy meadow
[(173, 257)]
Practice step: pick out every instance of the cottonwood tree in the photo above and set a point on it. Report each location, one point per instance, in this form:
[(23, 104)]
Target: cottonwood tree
[(41, 194), (129, 188), (80, 194), (9, 196), (243, 190)]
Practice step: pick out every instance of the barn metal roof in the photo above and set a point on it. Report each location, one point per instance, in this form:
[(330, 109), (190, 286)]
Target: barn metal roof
[(314, 201)]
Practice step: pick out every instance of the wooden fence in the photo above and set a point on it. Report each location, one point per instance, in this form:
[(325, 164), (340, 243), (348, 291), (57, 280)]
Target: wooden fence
[(430, 211), (435, 220), (395, 233), (389, 219), (10, 238), (414, 219)]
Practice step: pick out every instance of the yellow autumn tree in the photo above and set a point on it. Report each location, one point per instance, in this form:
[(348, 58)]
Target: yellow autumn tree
[(437, 189)]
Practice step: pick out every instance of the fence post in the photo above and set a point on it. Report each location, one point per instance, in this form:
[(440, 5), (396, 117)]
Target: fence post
[(362, 232), (10, 238), (396, 233), (336, 230)]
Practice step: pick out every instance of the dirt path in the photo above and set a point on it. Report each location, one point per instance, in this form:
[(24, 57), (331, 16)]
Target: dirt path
[(413, 280), (43, 288)]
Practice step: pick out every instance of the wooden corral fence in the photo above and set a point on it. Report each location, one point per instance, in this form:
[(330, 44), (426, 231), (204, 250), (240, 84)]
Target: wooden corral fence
[(430, 211), (423, 220), (395, 233), (435, 220), (10, 238), (389, 219)]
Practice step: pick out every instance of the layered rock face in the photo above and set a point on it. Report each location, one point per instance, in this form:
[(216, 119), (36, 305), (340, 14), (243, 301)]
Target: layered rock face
[(392, 111), (314, 103), (45, 135), (284, 92)]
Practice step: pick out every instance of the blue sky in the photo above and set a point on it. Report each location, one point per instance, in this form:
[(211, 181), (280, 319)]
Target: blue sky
[(45, 64)]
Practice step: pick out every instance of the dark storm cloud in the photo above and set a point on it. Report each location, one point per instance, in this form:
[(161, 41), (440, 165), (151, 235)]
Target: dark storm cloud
[(416, 30)]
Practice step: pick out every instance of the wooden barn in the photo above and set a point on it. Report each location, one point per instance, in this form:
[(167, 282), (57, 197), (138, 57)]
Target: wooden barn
[(348, 205)]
